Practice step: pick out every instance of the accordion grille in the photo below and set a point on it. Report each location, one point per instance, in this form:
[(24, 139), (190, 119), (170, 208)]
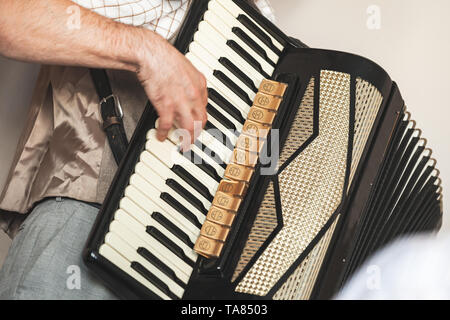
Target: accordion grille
[(311, 187), (367, 104), (266, 218), (300, 284), (264, 225)]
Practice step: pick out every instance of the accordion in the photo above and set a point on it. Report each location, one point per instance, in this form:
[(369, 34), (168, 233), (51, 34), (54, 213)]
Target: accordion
[(317, 165)]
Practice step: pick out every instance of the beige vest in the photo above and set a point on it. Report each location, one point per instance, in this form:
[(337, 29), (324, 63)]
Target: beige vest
[(63, 150)]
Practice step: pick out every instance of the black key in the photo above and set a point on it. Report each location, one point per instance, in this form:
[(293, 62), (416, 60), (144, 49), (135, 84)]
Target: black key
[(153, 279), (222, 138), (186, 195), (174, 203), (180, 208), (238, 73), (147, 255), (197, 185), (256, 30), (169, 244), (199, 162), (225, 105), (252, 44), (175, 230), (233, 87), (247, 57), (222, 119)]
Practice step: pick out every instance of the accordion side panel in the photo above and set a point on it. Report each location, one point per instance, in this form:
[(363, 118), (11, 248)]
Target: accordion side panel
[(311, 187), (266, 218)]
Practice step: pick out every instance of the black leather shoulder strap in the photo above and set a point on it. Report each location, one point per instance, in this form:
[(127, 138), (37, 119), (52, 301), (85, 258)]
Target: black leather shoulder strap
[(111, 113)]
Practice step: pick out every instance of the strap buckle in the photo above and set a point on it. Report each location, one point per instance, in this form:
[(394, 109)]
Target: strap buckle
[(117, 105)]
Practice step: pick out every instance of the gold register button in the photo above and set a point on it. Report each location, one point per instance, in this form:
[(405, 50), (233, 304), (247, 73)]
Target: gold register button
[(220, 216), (250, 144), (261, 115), (237, 172), (227, 202), (234, 188), (244, 158), (255, 129), (214, 231), (207, 247), (266, 101), (273, 88)]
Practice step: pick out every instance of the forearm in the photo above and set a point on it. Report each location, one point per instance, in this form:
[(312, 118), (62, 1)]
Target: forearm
[(40, 31)]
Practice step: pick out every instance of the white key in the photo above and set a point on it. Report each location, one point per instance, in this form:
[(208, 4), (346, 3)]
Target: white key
[(133, 209), (214, 64), (135, 227), (208, 138), (166, 173), (153, 195), (223, 28), (168, 153), (222, 152), (129, 253), (125, 265), (221, 42), (182, 270), (152, 178), (149, 222), (218, 85), (206, 158), (233, 22), (219, 49), (230, 135), (150, 206), (235, 10), (218, 52), (236, 123)]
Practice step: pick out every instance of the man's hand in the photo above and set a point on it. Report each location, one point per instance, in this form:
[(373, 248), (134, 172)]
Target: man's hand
[(37, 31), (176, 89)]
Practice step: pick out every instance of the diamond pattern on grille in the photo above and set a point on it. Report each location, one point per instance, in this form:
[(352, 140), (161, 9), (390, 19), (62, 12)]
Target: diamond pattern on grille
[(264, 225), (311, 187), (300, 284), (266, 219), (367, 104), (303, 126)]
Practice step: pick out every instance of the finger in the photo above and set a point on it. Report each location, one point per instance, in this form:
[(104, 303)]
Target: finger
[(200, 116), (186, 121), (164, 124)]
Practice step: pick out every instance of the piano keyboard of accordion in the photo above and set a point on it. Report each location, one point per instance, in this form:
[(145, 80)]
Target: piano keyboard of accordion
[(353, 173)]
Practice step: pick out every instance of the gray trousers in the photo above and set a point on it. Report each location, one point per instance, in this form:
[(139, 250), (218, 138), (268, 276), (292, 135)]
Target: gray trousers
[(44, 260)]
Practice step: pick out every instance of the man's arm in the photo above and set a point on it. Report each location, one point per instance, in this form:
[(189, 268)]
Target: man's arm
[(40, 31)]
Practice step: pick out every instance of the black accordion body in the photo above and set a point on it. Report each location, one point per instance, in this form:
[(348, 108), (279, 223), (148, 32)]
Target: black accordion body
[(353, 173)]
